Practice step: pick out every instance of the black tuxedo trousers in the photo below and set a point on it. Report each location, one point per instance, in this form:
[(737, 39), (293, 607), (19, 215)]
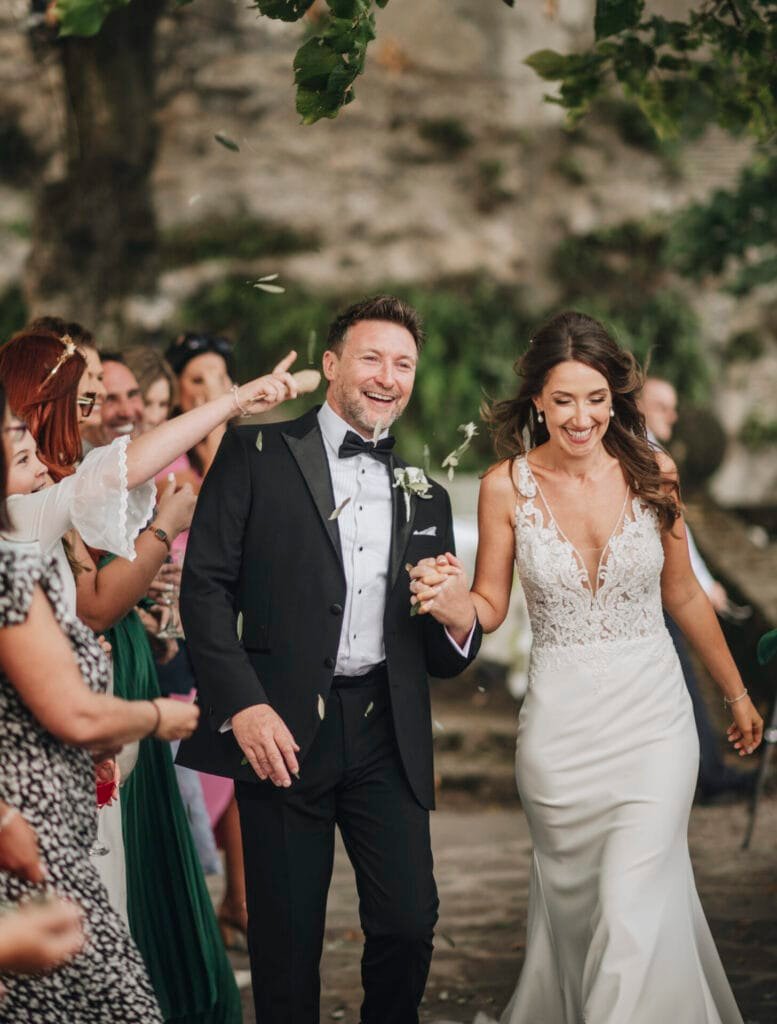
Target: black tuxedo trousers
[(352, 779)]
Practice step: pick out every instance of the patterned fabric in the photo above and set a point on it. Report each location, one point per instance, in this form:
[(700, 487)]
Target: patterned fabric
[(53, 786)]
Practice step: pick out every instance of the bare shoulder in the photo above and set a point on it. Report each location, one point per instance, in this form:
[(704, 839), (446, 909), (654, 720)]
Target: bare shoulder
[(497, 489)]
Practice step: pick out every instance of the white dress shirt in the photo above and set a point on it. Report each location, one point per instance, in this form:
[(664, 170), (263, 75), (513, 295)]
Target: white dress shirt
[(365, 539)]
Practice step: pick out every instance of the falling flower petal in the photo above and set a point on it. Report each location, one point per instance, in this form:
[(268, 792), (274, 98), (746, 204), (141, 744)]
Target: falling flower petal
[(226, 142), (439, 725), (427, 459), (195, 198), (414, 610), (259, 441), (370, 706), (448, 939), (273, 289), (240, 625), (269, 277), (339, 509), (321, 707), (451, 460), (244, 761), (376, 432), (312, 347)]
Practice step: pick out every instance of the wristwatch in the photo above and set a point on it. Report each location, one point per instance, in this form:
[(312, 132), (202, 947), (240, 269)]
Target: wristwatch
[(160, 534)]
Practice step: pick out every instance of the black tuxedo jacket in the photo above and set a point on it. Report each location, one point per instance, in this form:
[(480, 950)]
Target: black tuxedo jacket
[(263, 593)]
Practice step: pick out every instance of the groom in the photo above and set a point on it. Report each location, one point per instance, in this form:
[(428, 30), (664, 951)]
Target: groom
[(313, 673)]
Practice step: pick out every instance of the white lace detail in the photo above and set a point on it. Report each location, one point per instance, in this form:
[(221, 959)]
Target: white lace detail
[(105, 512), (564, 610)]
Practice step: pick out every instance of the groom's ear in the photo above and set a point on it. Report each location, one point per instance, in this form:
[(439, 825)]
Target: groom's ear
[(329, 364)]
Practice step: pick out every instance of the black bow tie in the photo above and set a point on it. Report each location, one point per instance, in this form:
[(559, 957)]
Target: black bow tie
[(355, 445)]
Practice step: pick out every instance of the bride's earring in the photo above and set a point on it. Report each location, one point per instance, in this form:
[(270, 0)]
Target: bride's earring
[(612, 413), (540, 417)]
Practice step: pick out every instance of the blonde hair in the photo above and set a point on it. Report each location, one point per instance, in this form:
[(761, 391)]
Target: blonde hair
[(149, 366)]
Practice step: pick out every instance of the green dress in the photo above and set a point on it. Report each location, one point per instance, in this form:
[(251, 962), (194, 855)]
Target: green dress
[(170, 912)]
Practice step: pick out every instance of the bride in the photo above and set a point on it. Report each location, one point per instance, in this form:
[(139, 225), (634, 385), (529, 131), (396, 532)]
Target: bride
[(607, 752)]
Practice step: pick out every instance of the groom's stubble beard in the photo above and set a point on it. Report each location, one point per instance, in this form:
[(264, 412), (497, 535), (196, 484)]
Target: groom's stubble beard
[(361, 417)]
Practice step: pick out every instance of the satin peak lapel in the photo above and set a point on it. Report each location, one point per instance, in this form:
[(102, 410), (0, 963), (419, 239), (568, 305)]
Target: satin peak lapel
[(401, 525), (309, 454)]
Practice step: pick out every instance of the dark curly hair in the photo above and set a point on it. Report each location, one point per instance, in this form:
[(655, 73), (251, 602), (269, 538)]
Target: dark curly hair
[(567, 336)]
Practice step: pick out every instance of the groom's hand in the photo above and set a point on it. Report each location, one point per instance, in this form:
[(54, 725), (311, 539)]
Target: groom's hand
[(439, 587), (267, 743)]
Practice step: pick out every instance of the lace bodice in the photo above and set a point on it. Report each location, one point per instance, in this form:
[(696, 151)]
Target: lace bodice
[(564, 609)]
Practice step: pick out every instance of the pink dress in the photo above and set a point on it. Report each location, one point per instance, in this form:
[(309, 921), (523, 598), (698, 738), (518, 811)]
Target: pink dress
[(217, 791)]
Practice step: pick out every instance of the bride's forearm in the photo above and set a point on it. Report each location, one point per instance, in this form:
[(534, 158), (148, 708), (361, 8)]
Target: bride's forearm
[(489, 617), (697, 620)]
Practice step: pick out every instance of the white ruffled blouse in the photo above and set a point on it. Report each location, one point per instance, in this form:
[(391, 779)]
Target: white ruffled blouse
[(95, 501)]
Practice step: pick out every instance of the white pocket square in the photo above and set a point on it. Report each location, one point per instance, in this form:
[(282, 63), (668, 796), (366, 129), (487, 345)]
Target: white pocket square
[(430, 531)]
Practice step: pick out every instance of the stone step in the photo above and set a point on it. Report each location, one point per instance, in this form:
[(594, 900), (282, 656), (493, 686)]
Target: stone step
[(482, 778)]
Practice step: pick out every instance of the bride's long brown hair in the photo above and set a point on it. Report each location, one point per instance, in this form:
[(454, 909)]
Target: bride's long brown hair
[(574, 336)]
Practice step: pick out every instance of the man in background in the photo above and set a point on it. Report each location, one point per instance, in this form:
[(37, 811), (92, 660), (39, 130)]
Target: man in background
[(658, 403)]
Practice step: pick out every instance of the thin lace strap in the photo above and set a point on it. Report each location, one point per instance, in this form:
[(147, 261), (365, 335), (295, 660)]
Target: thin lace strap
[(521, 478)]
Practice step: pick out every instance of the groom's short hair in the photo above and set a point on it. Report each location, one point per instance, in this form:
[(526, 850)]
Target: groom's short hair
[(379, 307)]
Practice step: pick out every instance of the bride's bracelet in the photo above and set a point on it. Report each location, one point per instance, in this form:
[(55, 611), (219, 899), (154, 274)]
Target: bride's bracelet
[(234, 389), (728, 701)]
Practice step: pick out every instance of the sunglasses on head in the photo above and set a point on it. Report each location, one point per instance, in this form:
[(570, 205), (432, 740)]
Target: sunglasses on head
[(205, 343), (86, 403)]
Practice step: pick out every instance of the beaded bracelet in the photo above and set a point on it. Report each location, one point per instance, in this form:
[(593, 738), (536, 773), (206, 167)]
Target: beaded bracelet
[(727, 701), (234, 390)]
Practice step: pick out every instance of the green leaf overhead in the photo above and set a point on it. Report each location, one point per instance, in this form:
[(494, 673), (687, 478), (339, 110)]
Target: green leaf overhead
[(84, 17), (613, 16), (283, 10)]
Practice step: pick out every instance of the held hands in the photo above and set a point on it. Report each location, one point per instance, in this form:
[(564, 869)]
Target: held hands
[(746, 731), (439, 587), (268, 745)]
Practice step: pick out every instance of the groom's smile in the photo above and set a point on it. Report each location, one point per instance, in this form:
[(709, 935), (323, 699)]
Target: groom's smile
[(371, 377)]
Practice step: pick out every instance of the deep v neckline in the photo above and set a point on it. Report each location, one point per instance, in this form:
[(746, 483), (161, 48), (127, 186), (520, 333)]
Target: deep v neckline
[(576, 554)]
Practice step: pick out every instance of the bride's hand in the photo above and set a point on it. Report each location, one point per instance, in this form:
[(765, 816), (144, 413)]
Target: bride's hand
[(746, 731), (439, 587)]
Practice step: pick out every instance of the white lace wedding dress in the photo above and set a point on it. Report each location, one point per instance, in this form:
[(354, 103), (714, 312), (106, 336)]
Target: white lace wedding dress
[(607, 759)]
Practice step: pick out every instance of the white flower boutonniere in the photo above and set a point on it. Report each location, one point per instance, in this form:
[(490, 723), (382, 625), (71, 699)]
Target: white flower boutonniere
[(412, 480)]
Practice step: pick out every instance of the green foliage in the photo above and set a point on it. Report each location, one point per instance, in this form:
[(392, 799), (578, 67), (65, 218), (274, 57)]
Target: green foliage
[(13, 312), (613, 16), (734, 232), (744, 347), (326, 65), (84, 17), (447, 133), (723, 56), (237, 237), (570, 168), (758, 432), (475, 330)]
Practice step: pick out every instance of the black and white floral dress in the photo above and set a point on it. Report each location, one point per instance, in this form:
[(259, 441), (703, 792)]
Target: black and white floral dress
[(53, 786)]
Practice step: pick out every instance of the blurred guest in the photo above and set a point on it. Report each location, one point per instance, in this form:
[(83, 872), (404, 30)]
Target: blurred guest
[(53, 708), (204, 365), (158, 389), (156, 382), (91, 390), (658, 404)]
